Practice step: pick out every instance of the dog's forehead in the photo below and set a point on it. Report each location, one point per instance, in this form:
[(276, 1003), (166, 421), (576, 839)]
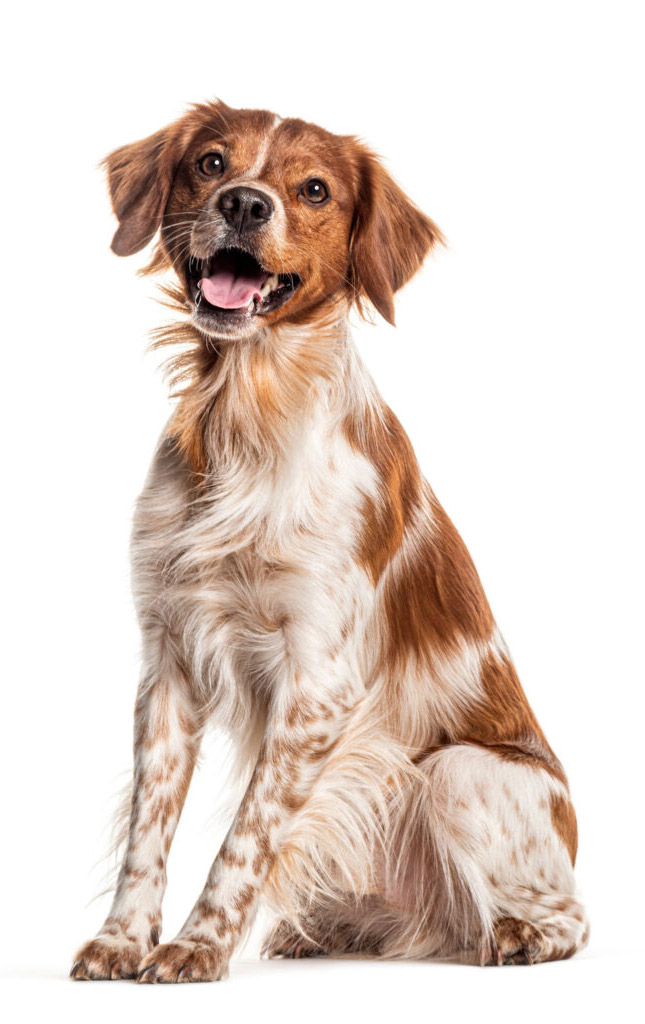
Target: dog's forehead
[(299, 142), (218, 126), (261, 137)]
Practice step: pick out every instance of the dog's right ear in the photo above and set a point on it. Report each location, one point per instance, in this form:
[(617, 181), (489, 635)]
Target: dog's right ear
[(390, 236), (139, 179)]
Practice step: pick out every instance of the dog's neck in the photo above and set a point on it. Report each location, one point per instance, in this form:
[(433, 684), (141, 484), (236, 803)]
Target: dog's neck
[(246, 399)]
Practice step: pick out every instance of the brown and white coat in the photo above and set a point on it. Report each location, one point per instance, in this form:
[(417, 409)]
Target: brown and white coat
[(297, 582)]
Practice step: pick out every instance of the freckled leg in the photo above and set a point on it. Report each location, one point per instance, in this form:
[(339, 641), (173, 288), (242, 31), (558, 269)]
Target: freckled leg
[(296, 744), (165, 748)]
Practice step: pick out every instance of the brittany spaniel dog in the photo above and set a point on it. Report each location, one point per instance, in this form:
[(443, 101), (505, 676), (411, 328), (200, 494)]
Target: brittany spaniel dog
[(297, 582)]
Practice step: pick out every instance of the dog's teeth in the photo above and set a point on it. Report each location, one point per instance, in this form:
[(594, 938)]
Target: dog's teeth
[(269, 285)]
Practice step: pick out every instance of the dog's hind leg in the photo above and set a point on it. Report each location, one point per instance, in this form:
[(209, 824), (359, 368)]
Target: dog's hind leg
[(482, 861)]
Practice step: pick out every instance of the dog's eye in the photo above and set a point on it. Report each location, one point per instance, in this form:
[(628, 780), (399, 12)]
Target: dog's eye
[(314, 191), (211, 164)]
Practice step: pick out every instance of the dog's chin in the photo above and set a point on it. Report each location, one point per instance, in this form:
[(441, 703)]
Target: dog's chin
[(224, 324), (233, 295)]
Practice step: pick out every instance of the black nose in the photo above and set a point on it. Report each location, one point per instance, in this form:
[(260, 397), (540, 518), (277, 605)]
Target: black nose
[(245, 209)]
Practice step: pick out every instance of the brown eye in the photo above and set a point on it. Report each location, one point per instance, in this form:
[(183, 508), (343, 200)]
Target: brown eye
[(314, 191), (211, 164)]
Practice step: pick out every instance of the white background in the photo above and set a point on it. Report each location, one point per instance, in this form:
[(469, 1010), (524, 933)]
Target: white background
[(515, 367)]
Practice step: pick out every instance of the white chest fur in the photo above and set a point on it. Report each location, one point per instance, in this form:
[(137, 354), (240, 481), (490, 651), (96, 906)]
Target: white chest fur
[(254, 580)]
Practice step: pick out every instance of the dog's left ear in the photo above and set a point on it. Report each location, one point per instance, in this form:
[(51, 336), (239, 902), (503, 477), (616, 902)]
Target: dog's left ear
[(390, 236), (139, 179)]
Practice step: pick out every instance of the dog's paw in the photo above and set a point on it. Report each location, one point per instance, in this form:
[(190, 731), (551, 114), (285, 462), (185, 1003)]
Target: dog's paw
[(514, 942), (183, 960), (107, 959)]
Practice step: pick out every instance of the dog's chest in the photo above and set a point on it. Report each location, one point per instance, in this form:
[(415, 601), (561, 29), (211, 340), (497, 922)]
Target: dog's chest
[(258, 575)]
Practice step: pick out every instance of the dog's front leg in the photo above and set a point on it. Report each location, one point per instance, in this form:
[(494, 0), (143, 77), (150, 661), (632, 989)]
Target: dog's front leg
[(165, 748), (301, 731)]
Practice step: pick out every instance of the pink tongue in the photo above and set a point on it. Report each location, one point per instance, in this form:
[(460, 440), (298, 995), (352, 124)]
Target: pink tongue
[(228, 291)]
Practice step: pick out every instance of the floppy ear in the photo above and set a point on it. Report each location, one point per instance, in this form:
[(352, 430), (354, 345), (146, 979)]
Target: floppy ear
[(390, 239), (139, 179)]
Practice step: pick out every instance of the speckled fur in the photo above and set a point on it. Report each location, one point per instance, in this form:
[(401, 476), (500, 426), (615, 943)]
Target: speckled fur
[(297, 581)]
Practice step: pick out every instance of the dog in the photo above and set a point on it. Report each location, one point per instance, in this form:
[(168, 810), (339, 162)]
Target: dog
[(297, 582)]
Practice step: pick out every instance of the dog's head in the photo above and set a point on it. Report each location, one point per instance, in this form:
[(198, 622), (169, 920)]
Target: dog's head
[(265, 220)]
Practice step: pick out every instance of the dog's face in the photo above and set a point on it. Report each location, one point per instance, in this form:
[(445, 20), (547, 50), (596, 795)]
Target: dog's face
[(265, 220)]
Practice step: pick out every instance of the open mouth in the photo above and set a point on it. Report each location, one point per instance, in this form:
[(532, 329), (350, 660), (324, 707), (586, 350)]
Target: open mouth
[(232, 282)]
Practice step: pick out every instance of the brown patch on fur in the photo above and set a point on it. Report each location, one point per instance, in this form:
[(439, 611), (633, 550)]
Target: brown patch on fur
[(212, 912), (434, 597), (263, 855), (302, 711), (137, 874), (249, 822), (502, 720), (502, 715), (564, 822), (291, 798), (383, 441), (190, 420), (538, 759), (320, 747), (243, 898), (150, 728), (232, 859)]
